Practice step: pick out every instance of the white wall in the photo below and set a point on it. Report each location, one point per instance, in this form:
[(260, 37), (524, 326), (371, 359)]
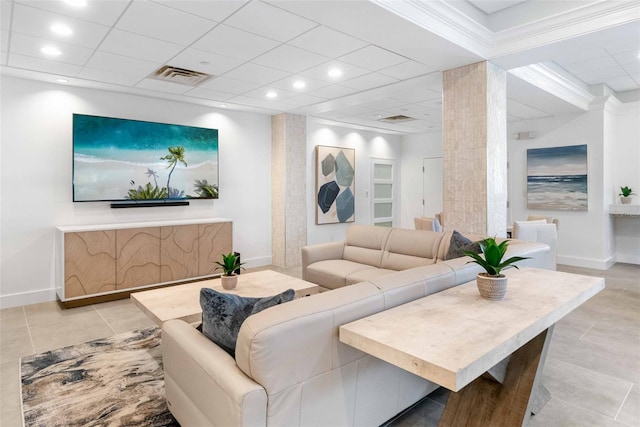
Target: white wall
[(36, 160), (626, 172), (415, 148), (367, 145)]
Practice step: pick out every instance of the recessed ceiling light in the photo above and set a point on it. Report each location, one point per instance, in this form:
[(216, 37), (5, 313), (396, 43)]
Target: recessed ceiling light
[(223, 105), (271, 94), (299, 84), (51, 50), (205, 62), (62, 80), (61, 29), (76, 3), (335, 72)]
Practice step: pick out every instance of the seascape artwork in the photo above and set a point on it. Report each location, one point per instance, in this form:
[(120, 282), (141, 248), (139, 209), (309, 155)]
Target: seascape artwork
[(557, 178), (117, 159), (335, 184)]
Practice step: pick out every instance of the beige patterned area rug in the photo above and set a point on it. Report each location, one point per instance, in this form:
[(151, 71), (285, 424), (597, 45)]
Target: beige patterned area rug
[(114, 381)]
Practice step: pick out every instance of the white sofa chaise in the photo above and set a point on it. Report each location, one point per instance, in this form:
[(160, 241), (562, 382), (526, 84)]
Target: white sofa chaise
[(291, 369)]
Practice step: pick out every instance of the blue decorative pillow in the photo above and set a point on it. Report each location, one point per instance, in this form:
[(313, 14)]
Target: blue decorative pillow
[(458, 244), (223, 314)]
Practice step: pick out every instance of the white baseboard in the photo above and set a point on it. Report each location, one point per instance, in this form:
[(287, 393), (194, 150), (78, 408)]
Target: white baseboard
[(629, 258), (597, 264), (26, 298)]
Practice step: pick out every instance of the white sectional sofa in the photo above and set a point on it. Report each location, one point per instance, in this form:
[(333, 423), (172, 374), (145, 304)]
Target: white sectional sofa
[(290, 368)]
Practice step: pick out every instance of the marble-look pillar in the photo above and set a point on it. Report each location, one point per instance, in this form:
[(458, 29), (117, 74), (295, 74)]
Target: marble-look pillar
[(475, 149), (288, 177)]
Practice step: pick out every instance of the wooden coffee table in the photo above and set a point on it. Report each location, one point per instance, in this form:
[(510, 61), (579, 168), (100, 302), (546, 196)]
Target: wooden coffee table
[(183, 301), (455, 339)]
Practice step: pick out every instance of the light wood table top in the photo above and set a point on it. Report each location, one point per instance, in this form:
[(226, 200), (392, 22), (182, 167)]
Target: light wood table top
[(183, 301), (454, 336)]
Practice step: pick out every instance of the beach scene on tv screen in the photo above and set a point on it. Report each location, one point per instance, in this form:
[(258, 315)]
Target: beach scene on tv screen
[(118, 159)]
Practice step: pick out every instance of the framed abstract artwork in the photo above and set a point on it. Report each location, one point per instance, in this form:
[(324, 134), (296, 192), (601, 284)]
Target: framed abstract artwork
[(335, 184), (557, 178)]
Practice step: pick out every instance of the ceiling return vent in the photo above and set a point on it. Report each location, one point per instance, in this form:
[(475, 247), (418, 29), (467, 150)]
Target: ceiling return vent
[(396, 119), (171, 74)]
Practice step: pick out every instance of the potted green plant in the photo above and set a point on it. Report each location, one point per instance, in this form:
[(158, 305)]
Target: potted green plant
[(492, 284), (625, 195), (230, 263)]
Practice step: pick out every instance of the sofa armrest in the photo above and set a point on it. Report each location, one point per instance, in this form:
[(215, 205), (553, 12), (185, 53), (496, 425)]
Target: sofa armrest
[(321, 252), (204, 386)]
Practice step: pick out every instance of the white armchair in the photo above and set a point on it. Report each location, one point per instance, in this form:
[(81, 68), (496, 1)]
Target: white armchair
[(539, 232)]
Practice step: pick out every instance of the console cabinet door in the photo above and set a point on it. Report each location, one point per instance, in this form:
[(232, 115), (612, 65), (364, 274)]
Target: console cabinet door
[(178, 252), (137, 257), (89, 263), (213, 240)]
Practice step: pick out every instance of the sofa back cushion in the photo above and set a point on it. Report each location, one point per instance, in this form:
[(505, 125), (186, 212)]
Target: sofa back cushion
[(364, 244), (410, 248)]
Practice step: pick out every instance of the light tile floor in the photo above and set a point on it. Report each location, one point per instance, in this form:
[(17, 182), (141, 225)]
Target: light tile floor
[(592, 371)]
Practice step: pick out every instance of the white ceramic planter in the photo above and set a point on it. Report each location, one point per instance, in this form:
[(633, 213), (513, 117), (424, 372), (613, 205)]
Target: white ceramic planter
[(492, 287), (625, 200)]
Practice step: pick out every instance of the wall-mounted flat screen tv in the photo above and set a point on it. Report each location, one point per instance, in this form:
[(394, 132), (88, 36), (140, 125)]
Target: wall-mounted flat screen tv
[(130, 160)]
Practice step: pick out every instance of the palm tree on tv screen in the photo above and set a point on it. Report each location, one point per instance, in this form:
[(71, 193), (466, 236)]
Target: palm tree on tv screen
[(176, 154)]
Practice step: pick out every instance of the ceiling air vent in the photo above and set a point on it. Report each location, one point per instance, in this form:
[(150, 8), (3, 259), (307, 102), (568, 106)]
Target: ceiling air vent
[(168, 73), (396, 119)]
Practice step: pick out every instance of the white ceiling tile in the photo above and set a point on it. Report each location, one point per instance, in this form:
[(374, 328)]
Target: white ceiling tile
[(385, 104), (406, 70), (564, 57), (310, 84), (255, 73), (268, 21), (213, 10), (304, 100), (108, 77), (122, 64), (234, 43), (4, 57), (524, 111), (327, 42), (271, 105), (369, 81), (632, 68), (289, 58), (101, 12), (261, 92), (620, 84), (321, 72), (224, 84), (192, 59), (161, 86), (629, 57), (4, 40), (44, 65), (598, 76), (591, 65), (5, 15), (418, 94), (136, 46), (512, 118), (214, 95), (373, 58), (37, 22), (332, 91), (30, 46), (164, 23)]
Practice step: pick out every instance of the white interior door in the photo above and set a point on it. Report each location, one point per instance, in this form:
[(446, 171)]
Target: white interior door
[(383, 192), (432, 199)]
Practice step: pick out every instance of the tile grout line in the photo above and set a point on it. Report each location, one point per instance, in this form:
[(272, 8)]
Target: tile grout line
[(587, 331), (26, 320), (582, 408), (105, 320), (623, 402)]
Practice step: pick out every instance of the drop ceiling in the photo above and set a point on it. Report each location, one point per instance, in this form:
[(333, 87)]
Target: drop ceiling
[(389, 58)]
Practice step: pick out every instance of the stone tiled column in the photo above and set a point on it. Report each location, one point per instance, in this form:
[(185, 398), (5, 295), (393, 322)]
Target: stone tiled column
[(288, 177), (475, 149)]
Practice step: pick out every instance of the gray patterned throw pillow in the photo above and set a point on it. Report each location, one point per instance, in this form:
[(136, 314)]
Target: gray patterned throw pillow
[(458, 244), (223, 314)]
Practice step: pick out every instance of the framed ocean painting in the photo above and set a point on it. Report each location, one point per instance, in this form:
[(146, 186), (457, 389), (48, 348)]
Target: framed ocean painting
[(335, 184), (557, 178)]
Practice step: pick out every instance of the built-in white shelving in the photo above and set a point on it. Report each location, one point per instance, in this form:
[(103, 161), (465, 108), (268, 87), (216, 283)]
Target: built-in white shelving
[(624, 210)]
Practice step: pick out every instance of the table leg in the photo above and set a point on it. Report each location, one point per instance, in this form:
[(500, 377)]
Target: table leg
[(485, 402)]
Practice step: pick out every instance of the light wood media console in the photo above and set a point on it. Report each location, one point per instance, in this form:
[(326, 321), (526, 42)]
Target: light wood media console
[(104, 262)]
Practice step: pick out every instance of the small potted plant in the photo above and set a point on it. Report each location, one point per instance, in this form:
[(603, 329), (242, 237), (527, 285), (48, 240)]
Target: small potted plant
[(625, 195), (230, 263), (491, 284)]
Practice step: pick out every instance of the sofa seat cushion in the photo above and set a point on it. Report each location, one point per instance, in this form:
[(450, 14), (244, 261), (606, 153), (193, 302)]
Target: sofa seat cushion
[(332, 273), (223, 314), (368, 275)]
